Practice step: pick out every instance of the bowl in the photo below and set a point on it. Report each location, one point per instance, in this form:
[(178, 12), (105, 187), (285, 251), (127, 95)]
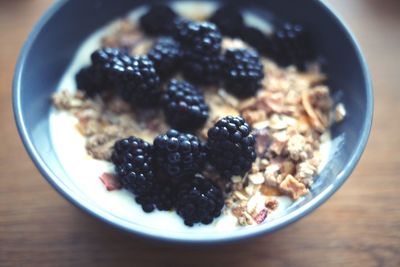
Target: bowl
[(51, 46)]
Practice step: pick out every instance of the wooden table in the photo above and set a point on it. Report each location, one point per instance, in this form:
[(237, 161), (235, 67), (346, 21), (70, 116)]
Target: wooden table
[(359, 226)]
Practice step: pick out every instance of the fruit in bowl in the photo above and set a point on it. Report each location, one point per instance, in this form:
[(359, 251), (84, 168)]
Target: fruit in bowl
[(209, 129)]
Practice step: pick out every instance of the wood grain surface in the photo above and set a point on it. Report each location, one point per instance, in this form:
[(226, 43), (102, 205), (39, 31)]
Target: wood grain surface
[(358, 226)]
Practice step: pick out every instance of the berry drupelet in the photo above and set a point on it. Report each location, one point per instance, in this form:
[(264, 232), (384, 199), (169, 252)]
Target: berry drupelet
[(230, 146), (202, 38), (178, 155), (133, 164), (165, 54), (242, 72), (139, 82), (199, 201), (228, 19), (158, 20), (291, 46), (184, 106)]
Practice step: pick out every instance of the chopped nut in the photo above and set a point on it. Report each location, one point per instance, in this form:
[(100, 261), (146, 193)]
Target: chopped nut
[(320, 98), (252, 204), (250, 189), (314, 119), (242, 220), (305, 172), (278, 123), (292, 187), (263, 140), (269, 191), (240, 195), (271, 174), (238, 211), (254, 116), (271, 203), (277, 147), (249, 218), (257, 178), (296, 147)]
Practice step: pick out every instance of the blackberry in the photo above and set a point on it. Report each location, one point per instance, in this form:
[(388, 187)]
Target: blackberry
[(199, 201), (228, 19), (184, 105), (161, 196), (257, 39), (165, 54), (291, 46), (133, 164), (242, 72), (178, 155), (202, 38), (158, 20), (90, 80), (134, 78), (139, 82), (164, 195), (230, 146), (110, 62), (200, 69)]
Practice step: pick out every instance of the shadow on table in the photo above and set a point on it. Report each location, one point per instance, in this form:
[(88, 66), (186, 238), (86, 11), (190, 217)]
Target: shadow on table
[(106, 246)]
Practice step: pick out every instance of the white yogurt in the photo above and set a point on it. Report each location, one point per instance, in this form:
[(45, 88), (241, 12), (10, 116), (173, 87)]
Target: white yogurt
[(84, 171)]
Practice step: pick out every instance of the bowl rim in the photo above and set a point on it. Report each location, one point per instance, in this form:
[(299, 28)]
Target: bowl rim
[(155, 234)]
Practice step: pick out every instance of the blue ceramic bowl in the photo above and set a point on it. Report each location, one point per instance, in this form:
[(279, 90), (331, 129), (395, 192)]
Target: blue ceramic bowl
[(54, 40)]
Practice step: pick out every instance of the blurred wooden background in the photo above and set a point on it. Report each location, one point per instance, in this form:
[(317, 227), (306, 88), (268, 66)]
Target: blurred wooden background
[(359, 226)]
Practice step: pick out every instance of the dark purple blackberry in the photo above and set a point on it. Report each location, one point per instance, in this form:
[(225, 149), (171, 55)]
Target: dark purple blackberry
[(178, 155), (202, 38), (164, 195), (242, 72), (184, 106), (199, 201), (161, 196), (200, 69), (257, 39), (230, 146), (90, 80), (165, 54), (158, 20), (291, 46), (139, 82), (110, 63), (133, 164), (228, 20)]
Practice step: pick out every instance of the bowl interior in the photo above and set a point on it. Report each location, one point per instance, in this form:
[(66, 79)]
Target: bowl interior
[(54, 41)]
